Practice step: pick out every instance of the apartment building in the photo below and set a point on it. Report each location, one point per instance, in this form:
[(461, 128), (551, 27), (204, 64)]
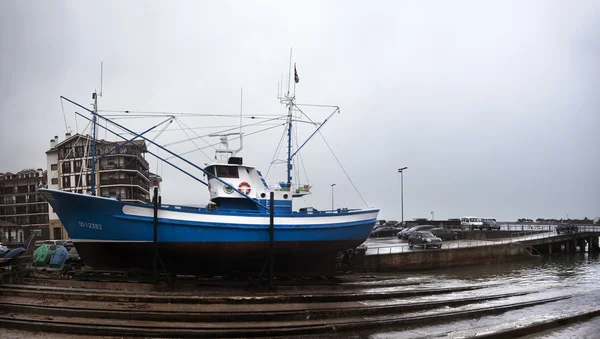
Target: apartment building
[(23, 210), (122, 173)]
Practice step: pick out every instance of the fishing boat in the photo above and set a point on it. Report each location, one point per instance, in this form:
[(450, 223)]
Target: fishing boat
[(247, 222)]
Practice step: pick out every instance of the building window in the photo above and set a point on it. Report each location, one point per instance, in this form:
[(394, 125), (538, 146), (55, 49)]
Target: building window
[(37, 232), (66, 182), (79, 151), (57, 233), (54, 181), (66, 167), (77, 165)]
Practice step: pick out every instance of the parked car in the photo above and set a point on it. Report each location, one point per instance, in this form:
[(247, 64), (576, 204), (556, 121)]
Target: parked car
[(68, 244), (471, 223), (73, 256), (444, 234), (384, 231), (424, 239), (490, 224), (404, 234), (408, 224), (566, 229), (54, 242)]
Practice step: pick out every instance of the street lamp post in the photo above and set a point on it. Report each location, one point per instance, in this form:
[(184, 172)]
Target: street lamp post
[(332, 196), (401, 170)]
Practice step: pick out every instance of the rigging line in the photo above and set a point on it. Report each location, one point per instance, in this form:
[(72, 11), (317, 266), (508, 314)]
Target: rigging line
[(303, 166), (336, 159), (221, 132), (218, 143), (70, 150), (162, 130), (76, 127), (203, 127), (201, 138), (306, 115), (64, 115), (311, 105), (209, 158), (342, 167), (158, 148), (296, 168), (276, 154), (307, 122), (236, 115), (157, 159), (79, 183), (132, 117)]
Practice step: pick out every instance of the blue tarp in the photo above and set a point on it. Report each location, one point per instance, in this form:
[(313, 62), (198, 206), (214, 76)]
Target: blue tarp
[(59, 257), (14, 252)]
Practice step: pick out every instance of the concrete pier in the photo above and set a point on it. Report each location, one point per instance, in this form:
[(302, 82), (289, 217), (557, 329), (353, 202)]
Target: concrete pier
[(427, 259)]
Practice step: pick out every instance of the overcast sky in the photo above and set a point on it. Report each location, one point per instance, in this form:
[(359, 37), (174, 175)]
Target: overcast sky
[(494, 107)]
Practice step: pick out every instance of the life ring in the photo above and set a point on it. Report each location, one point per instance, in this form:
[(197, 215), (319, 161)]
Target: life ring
[(244, 187)]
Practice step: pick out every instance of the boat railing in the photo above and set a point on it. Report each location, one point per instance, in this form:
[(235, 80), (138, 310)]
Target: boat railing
[(209, 208), (212, 208), (284, 187)]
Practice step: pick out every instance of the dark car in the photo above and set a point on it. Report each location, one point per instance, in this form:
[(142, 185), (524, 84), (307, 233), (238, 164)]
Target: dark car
[(490, 224), (384, 231), (444, 234), (425, 239), (407, 232), (566, 228), (68, 245)]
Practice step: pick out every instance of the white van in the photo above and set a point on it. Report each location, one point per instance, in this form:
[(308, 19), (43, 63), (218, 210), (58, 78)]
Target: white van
[(471, 223)]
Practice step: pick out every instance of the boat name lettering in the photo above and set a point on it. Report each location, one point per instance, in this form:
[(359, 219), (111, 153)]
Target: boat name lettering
[(90, 225)]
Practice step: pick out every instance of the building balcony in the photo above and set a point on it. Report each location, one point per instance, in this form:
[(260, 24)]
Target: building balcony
[(127, 181)]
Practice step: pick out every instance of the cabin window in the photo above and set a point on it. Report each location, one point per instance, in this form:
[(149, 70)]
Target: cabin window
[(210, 169), (227, 172)]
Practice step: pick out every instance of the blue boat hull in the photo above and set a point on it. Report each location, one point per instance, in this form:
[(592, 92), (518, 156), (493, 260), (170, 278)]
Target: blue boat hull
[(111, 234)]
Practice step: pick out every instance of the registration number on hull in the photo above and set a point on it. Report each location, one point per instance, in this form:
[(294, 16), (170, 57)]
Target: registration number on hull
[(91, 225)]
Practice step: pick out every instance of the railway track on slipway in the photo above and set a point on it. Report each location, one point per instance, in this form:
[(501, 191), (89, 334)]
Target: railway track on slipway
[(304, 308)]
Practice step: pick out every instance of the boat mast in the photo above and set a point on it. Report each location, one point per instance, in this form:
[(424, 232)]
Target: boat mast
[(93, 183), (290, 106), (289, 145), (94, 131)]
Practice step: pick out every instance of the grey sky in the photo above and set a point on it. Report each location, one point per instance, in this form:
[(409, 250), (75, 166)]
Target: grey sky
[(493, 106)]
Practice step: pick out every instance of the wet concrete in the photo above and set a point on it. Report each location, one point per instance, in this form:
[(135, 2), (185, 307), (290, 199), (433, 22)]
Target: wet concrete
[(364, 306), (575, 275)]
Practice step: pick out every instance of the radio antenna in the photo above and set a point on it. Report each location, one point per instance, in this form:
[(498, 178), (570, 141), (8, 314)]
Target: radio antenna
[(101, 73)]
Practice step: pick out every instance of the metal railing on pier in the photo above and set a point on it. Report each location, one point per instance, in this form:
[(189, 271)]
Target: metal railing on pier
[(528, 233)]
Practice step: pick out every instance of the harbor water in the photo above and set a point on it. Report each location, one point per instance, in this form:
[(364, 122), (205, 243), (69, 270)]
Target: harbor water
[(573, 276)]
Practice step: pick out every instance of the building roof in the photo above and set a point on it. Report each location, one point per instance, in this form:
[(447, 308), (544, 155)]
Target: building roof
[(25, 171), (7, 224), (139, 142)]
